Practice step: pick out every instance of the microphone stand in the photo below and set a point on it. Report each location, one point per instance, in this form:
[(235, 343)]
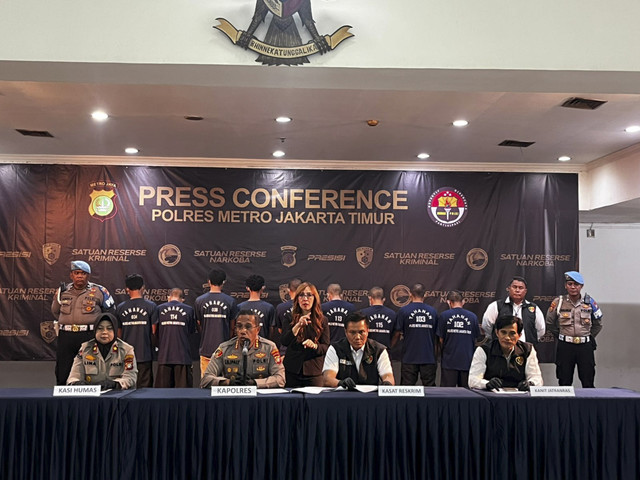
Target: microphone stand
[(245, 352)]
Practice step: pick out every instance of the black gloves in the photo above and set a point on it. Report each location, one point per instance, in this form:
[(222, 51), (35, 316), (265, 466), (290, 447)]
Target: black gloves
[(110, 385), (494, 383), (347, 383), (523, 386), (81, 382), (238, 382)]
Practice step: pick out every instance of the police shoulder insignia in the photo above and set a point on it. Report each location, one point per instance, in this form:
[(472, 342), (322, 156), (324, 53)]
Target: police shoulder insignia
[(553, 305), (520, 361), (275, 353), (218, 353), (128, 362)]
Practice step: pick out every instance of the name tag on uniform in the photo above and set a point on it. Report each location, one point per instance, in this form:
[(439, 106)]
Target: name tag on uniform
[(76, 391), (239, 391), (344, 361), (400, 391), (552, 391)]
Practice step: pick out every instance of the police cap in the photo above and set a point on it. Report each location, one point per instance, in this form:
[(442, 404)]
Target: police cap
[(575, 276), (80, 265)]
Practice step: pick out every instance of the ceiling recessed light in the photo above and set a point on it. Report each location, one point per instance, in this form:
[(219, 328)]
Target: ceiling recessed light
[(632, 129), (131, 150), (283, 119), (193, 118), (278, 153), (460, 123), (564, 158), (99, 116), (423, 156)]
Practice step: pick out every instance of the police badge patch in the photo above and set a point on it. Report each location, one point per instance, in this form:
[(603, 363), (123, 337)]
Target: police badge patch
[(364, 256), (103, 204), (128, 362), (51, 252), (288, 255), (47, 332)]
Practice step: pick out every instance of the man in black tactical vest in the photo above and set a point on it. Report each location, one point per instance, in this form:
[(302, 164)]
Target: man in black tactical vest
[(517, 305), (506, 361), (356, 359)]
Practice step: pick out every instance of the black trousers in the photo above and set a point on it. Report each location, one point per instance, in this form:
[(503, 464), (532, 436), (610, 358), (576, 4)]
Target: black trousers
[(145, 375), (174, 376), (68, 347), (568, 355), (454, 378), (409, 374)]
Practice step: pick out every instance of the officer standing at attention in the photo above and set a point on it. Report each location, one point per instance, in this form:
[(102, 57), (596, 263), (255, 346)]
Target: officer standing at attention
[(263, 366), (575, 320), (516, 304), (75, 307), (356, 359)]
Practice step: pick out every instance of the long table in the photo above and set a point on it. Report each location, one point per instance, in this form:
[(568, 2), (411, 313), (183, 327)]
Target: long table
[(449, 434)]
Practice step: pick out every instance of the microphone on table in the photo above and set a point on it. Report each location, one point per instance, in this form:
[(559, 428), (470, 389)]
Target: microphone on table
[(245, 352)]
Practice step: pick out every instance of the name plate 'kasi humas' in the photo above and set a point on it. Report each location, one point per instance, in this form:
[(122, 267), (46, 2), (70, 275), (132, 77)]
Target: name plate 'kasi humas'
[(283, 44)]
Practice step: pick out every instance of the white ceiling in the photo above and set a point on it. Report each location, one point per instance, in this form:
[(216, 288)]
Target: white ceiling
[(329, 120)]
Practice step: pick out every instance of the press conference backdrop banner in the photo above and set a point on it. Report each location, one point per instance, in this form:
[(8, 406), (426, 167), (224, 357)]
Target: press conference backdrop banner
[(466, 231)]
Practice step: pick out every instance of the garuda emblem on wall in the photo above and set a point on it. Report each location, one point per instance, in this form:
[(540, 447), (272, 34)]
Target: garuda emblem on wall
[(282, 44)]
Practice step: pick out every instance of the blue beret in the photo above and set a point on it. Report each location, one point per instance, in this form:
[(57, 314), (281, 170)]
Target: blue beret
[(575, 276), (80, 265)]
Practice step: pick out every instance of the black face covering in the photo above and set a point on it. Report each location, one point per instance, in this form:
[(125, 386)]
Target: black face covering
[(106, 347)]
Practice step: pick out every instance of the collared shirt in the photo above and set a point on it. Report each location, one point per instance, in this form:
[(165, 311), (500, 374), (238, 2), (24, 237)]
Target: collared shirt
[(479, 366), (491, 315), (332, 362)]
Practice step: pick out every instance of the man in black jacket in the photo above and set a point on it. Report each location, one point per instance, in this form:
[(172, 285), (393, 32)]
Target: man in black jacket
[(357, 359)]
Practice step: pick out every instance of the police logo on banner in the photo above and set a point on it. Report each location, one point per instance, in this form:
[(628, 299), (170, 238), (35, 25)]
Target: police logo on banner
[(47, 331), (169, 255), (51, 252), (283, 290), (364, 255), (288, 255), (447, 207), (400, 295), (103, 205), (477, 258)]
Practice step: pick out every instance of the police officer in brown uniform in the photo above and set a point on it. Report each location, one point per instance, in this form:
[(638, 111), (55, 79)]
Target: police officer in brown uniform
[(575, 320), (76, 306), (105, 360), (246, 359)]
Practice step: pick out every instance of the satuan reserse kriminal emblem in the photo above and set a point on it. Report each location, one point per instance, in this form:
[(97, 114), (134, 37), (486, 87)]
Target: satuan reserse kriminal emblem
[(51, 252), (103, 200), (447, 207), (364, 256), (282, 44)]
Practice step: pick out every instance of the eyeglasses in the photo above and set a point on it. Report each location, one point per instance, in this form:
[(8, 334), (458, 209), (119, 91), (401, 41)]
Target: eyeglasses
[(245, 326), (305, 295)]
